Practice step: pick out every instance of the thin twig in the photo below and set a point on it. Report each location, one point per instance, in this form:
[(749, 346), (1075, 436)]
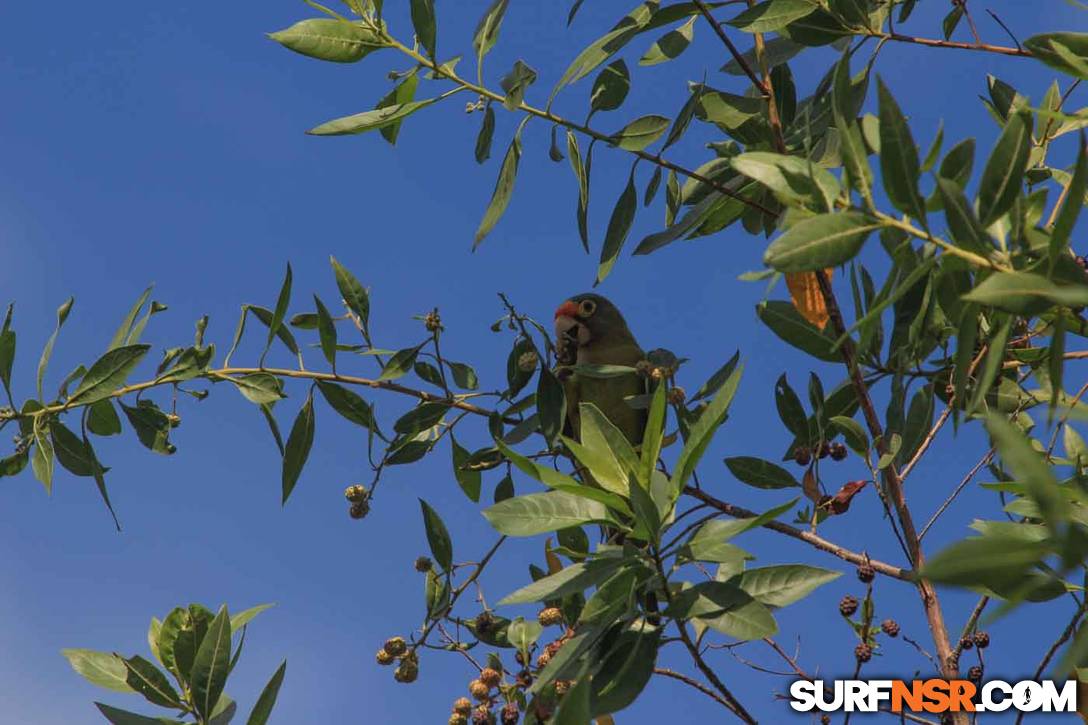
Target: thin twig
[(737, 55), (952, 44), (956, 492), (692, 682), (1005, 28)]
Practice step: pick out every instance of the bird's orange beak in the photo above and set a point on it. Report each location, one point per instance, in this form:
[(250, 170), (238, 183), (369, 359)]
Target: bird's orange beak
[(567, 309)]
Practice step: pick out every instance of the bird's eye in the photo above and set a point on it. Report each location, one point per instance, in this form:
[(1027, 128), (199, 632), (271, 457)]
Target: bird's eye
[(587, 308)]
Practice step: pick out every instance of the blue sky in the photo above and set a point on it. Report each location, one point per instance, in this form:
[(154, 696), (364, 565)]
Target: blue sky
[(163, 143)]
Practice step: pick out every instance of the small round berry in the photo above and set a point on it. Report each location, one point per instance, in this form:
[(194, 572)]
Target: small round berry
[(543, 660), (677, 396), (838, 451), (825, 720), (863, 653), (482, 716), (423, 564), (510, 714), (479, 690), (524, 679), (890, 627), (967, 643), (355, 493), (657, 373), (407, 671), (802, 456), (384, 658), (562, 687), (359, 509), (866, 573), (432, 321), (975, 674), (848, 605), (550, 617), (395, 646), (982, 640), (462, 706), (457, 719), (824, 450), (490, 677), (644, 368)]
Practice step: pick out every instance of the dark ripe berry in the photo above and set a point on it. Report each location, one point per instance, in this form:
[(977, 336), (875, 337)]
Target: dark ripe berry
[(825, 720), (543, 660), (982, 640), (825, 449), (562, 687), (890, 627), (423, 564), (484, 622), (848, 605), (866, 573), (462, 706), (677, 396), (975, 674), (407, 671), (802, 456), (359, 509), (519, 658), (482, 716), (967, 643), (510, 714), (395, 646), (863, 653), (838, 451), (490, 677), (525, 679)]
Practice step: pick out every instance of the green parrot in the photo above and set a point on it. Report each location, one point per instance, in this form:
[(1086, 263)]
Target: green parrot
[(589, 330)]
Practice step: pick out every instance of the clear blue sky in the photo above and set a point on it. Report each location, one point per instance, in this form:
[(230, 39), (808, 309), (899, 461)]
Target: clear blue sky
[(163, 143)]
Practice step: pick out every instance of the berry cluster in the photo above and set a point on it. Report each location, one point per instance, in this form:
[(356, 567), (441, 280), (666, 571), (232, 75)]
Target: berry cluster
[(359, 498), (395, 648), (837, 451)]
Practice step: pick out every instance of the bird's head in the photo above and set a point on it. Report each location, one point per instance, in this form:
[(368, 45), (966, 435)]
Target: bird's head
[(588, 319)]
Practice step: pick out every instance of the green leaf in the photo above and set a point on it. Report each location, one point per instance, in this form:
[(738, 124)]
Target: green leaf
[(1030, 469), (72, 453), (483, 139), (403, 92), (625, 671), (108, 373), (464, 376), (619, 225), (354, 294), (117, 716), (898, 157), (515, 83), (779, 586), (504, 188), (329, 39), (771, 15), (538, 513), (401, 362), (569, 580), (1002, 178), (263, 708), (918, 423), (259, 388), (283, 300), (1067, 217), (420, 418), (99, 668), (297, 450), (7, 358), (1067, 52), (822, 241), (47, 351), (794, 181), (424, 23), (245, 617), (984, 561), (966, 230), (123, 332), (487, 30), (370, 120), (640, 133), (1026, 293), (853, 433), (209, 672), (610, 87), (581, 173), (146, 679), (102, 419), (670, 45), (348, 404), (787, 323), (789, 409), (468, 480), (703, 430), (438, 537), (551, 405), (152, 426), (760, 473)]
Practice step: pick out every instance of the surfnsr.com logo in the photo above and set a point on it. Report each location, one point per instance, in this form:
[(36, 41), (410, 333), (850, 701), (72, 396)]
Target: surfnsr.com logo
[(933, 696)]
